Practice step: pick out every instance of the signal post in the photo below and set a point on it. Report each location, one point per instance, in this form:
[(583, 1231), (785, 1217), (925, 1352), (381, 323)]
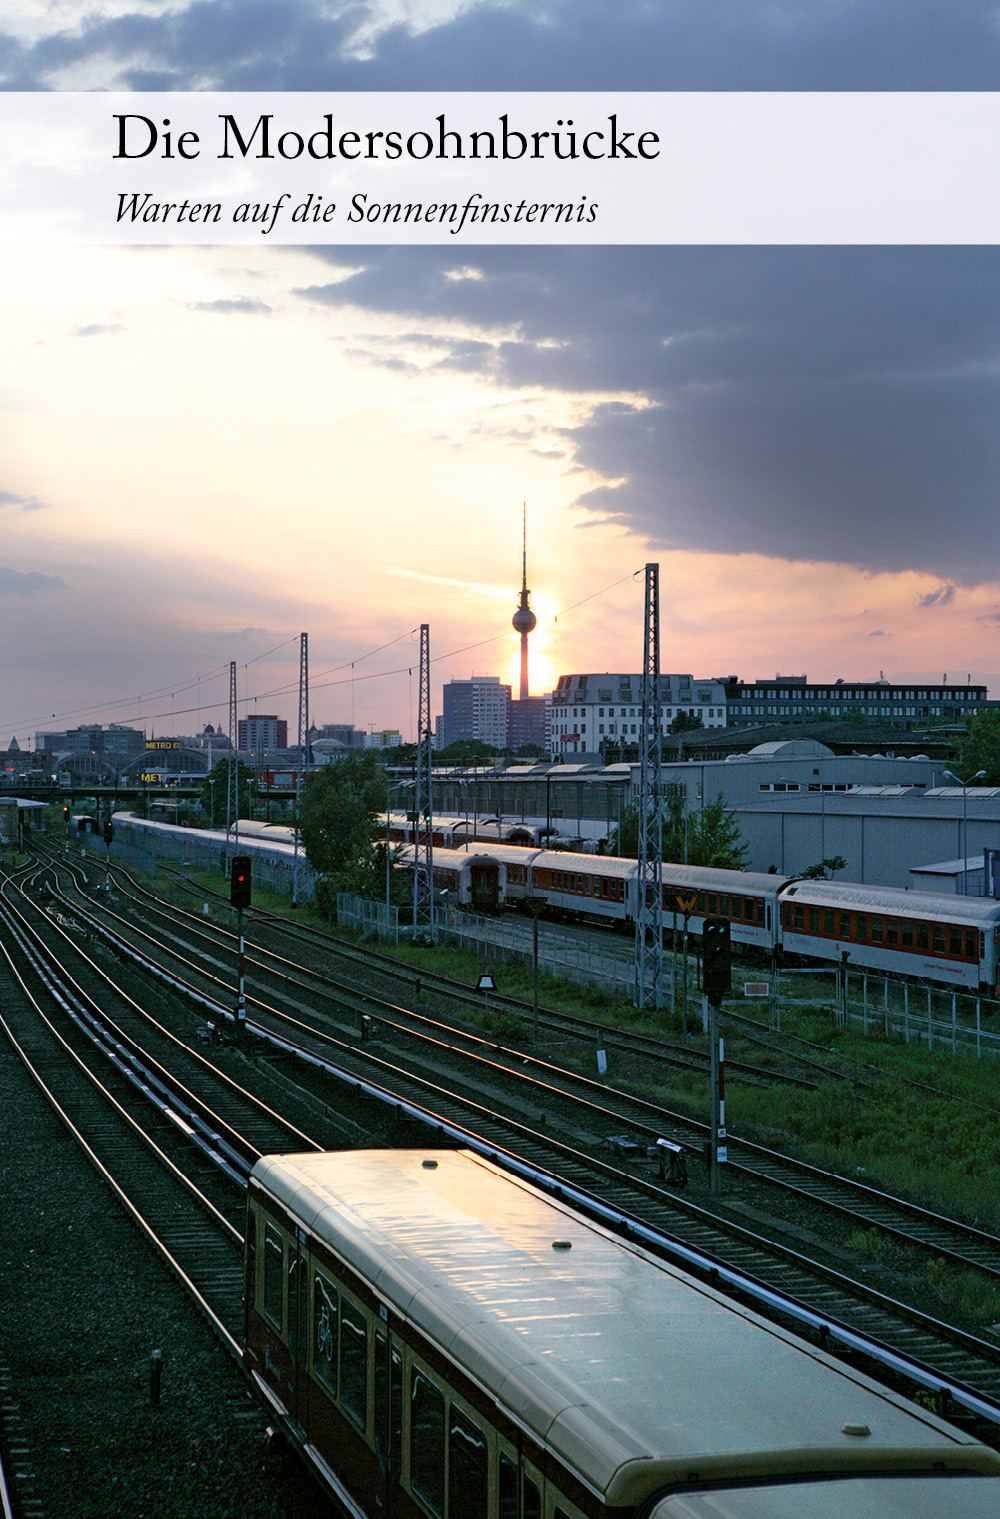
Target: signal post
[(239, 896), (716, 979)]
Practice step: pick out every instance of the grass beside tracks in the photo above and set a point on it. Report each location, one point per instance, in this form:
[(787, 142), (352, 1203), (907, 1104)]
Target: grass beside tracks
[(922, 1123)]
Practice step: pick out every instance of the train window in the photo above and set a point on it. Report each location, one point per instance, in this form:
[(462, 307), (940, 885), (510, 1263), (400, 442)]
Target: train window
[(325, 1333), (906, 933), (797, 916), (760, 910), (712, 903), (298, 1306), (507, 1506), (828, 922), (922, 936), (700, 908), (876, 929), (861, 926), (845, 924), (531, 1507), (970, 944), (954, 941), (938, 938), (723, 905), (395, 1408), (273, 1263), (604, 887), (380, 1412), (891, 930), (353, 1362), (737, 907), (814, 920), (467, 1468), (427, 1442), (580, 885)]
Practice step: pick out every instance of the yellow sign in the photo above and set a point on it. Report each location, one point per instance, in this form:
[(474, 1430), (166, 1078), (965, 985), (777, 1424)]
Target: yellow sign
[(686, 904)]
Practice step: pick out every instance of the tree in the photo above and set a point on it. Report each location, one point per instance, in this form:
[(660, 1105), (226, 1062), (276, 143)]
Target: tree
[(980, 748), (712, 835), (338, 817), (686, 722), (818, 872), (466, 751), (215, 794)]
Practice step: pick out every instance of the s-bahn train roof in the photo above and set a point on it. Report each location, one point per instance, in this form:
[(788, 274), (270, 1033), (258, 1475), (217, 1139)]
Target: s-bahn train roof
[(850, 1498), (632, 1373), (927, 905)]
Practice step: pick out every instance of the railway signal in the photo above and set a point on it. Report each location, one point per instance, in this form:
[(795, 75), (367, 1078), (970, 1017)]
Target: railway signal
[(239, 896), (715, 966), (716, 978), (239, 881)]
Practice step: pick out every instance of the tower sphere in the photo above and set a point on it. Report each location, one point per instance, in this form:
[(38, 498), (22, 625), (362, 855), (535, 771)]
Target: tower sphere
[(524, 619)]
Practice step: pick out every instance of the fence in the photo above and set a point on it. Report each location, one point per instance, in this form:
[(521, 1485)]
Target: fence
[(939, 1018), (188, 849), (504, 939)]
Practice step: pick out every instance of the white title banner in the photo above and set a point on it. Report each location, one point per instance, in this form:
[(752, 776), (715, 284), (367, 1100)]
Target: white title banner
[(500, 168)]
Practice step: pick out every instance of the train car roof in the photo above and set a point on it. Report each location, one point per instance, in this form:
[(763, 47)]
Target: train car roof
[(706, 878), (894, 900), (594, 864), (851, 1498), (447, 854), (634, 1374)]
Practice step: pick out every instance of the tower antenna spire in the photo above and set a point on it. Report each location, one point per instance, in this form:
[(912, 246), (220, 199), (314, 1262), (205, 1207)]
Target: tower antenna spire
[(524, 620)]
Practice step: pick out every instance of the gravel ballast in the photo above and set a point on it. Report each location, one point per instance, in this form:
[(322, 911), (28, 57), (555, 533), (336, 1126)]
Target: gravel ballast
[(85, 1303)]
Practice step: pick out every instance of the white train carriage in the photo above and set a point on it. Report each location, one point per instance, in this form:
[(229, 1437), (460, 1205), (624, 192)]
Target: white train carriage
[(953, 940), (594, 886), (444, 1341), (748, 900), (468, 878), (517, 861)]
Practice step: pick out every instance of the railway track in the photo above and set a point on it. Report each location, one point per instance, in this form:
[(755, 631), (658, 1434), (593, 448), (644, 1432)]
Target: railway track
[(857, 1203), (965, 1367)]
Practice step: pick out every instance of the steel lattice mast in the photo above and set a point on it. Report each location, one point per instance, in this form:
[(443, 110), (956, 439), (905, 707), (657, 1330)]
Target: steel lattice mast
[(423, 848), (649, 885), (233, 789), (303, 752)]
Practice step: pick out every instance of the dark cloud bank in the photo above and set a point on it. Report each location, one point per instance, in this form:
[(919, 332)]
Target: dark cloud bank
[(824, 404)]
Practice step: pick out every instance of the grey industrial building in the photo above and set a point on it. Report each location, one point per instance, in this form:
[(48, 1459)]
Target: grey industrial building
[(895, 821)]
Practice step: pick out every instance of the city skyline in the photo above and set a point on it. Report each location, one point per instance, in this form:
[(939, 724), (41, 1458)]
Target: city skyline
[(211, 450)]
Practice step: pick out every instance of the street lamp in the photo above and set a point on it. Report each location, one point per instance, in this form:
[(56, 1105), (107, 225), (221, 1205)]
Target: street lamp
[(399, 786), (965, 824)]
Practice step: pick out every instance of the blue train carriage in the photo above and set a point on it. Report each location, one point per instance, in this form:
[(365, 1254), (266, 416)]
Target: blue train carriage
[(748, 900), (952, 940), (443, 1341)]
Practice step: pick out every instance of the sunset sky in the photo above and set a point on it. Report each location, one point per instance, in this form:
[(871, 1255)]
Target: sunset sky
[(206, 451)]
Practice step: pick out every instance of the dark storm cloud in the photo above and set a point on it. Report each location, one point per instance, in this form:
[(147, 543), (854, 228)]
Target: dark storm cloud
[(567, 44), (810, 403)]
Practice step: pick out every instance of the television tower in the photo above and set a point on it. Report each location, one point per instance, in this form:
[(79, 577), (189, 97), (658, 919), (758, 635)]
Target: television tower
[(524, 620)]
